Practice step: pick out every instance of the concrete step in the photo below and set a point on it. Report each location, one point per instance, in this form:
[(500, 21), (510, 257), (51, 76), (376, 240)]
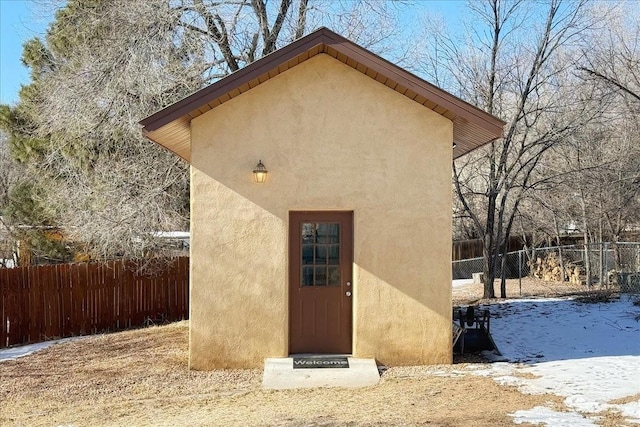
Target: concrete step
[(279, 373)]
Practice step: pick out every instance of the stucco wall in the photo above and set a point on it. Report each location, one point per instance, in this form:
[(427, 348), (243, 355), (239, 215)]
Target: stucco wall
[(332, 139)]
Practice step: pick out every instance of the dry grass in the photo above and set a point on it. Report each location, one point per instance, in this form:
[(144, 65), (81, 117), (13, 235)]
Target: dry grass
[(625, 400), (140, 378)]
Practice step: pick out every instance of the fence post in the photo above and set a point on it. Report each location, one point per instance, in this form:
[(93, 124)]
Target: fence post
[(605, 273), (520, 270), (602, 265)]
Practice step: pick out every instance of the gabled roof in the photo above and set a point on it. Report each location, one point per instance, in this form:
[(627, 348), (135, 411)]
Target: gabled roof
[(472, 127)]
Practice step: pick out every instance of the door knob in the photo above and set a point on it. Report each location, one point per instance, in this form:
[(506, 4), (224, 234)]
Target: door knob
[(348, 293)]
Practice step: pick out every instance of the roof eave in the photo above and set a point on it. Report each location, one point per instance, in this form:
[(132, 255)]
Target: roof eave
[(468, 119)]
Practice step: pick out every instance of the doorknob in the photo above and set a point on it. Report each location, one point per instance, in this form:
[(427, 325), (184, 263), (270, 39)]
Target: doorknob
[(348, 293)]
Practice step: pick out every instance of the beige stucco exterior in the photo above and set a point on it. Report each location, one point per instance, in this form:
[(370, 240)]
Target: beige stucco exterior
[(332, 138)]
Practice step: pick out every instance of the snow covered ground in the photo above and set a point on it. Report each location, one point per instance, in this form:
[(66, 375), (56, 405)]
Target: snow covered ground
[(587, 353)]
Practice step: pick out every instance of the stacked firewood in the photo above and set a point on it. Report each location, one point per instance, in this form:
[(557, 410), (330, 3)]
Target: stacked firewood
[(550, 268), (576, 275)]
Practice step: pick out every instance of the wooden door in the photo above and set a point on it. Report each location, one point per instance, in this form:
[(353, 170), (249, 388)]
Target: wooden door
[(320, 277)]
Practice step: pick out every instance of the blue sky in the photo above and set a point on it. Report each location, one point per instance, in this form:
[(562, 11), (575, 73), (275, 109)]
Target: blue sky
[(21, 20)]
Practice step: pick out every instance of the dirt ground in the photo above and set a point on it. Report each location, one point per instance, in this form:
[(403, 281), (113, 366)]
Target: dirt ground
[(140, 378), (520, 288)]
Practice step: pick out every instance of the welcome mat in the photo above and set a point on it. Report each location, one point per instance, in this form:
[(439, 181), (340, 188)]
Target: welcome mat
[(306, 362)]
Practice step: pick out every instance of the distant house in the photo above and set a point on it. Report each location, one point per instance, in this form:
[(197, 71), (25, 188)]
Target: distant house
[(346, 246)]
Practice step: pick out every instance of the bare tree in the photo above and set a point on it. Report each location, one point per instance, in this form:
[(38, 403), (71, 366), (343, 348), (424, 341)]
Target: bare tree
[(612, 63), (613, 58), (234, 33), (602, 158), (599, 192), (513, 63)]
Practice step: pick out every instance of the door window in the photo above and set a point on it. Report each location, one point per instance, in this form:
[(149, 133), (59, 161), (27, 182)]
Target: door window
[(320, 254)]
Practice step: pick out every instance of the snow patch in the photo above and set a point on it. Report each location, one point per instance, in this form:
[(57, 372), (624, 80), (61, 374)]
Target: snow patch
[(587, 353), (548, 417), (460, 283), (13, 353)]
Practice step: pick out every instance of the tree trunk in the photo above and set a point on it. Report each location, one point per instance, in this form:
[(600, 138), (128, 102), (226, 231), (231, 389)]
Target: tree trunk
[(601, 264), (487, 269), (585, 234), (503, 273)]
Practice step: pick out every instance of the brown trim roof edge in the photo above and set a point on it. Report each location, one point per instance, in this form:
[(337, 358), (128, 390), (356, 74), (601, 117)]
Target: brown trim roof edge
[(324, 37), (418, 85)]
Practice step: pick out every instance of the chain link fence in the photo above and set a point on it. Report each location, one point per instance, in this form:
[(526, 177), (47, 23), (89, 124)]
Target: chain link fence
[(603, 264)]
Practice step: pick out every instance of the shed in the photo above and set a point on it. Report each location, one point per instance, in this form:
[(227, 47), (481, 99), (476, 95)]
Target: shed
[(345, 248)]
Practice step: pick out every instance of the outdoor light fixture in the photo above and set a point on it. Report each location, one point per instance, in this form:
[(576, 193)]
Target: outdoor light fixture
[(260, 173)]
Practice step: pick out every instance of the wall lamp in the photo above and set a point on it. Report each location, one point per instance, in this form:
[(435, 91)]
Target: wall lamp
[(260, 173)]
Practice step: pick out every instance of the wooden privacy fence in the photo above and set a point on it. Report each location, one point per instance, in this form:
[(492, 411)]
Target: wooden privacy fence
[(54, 301)]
